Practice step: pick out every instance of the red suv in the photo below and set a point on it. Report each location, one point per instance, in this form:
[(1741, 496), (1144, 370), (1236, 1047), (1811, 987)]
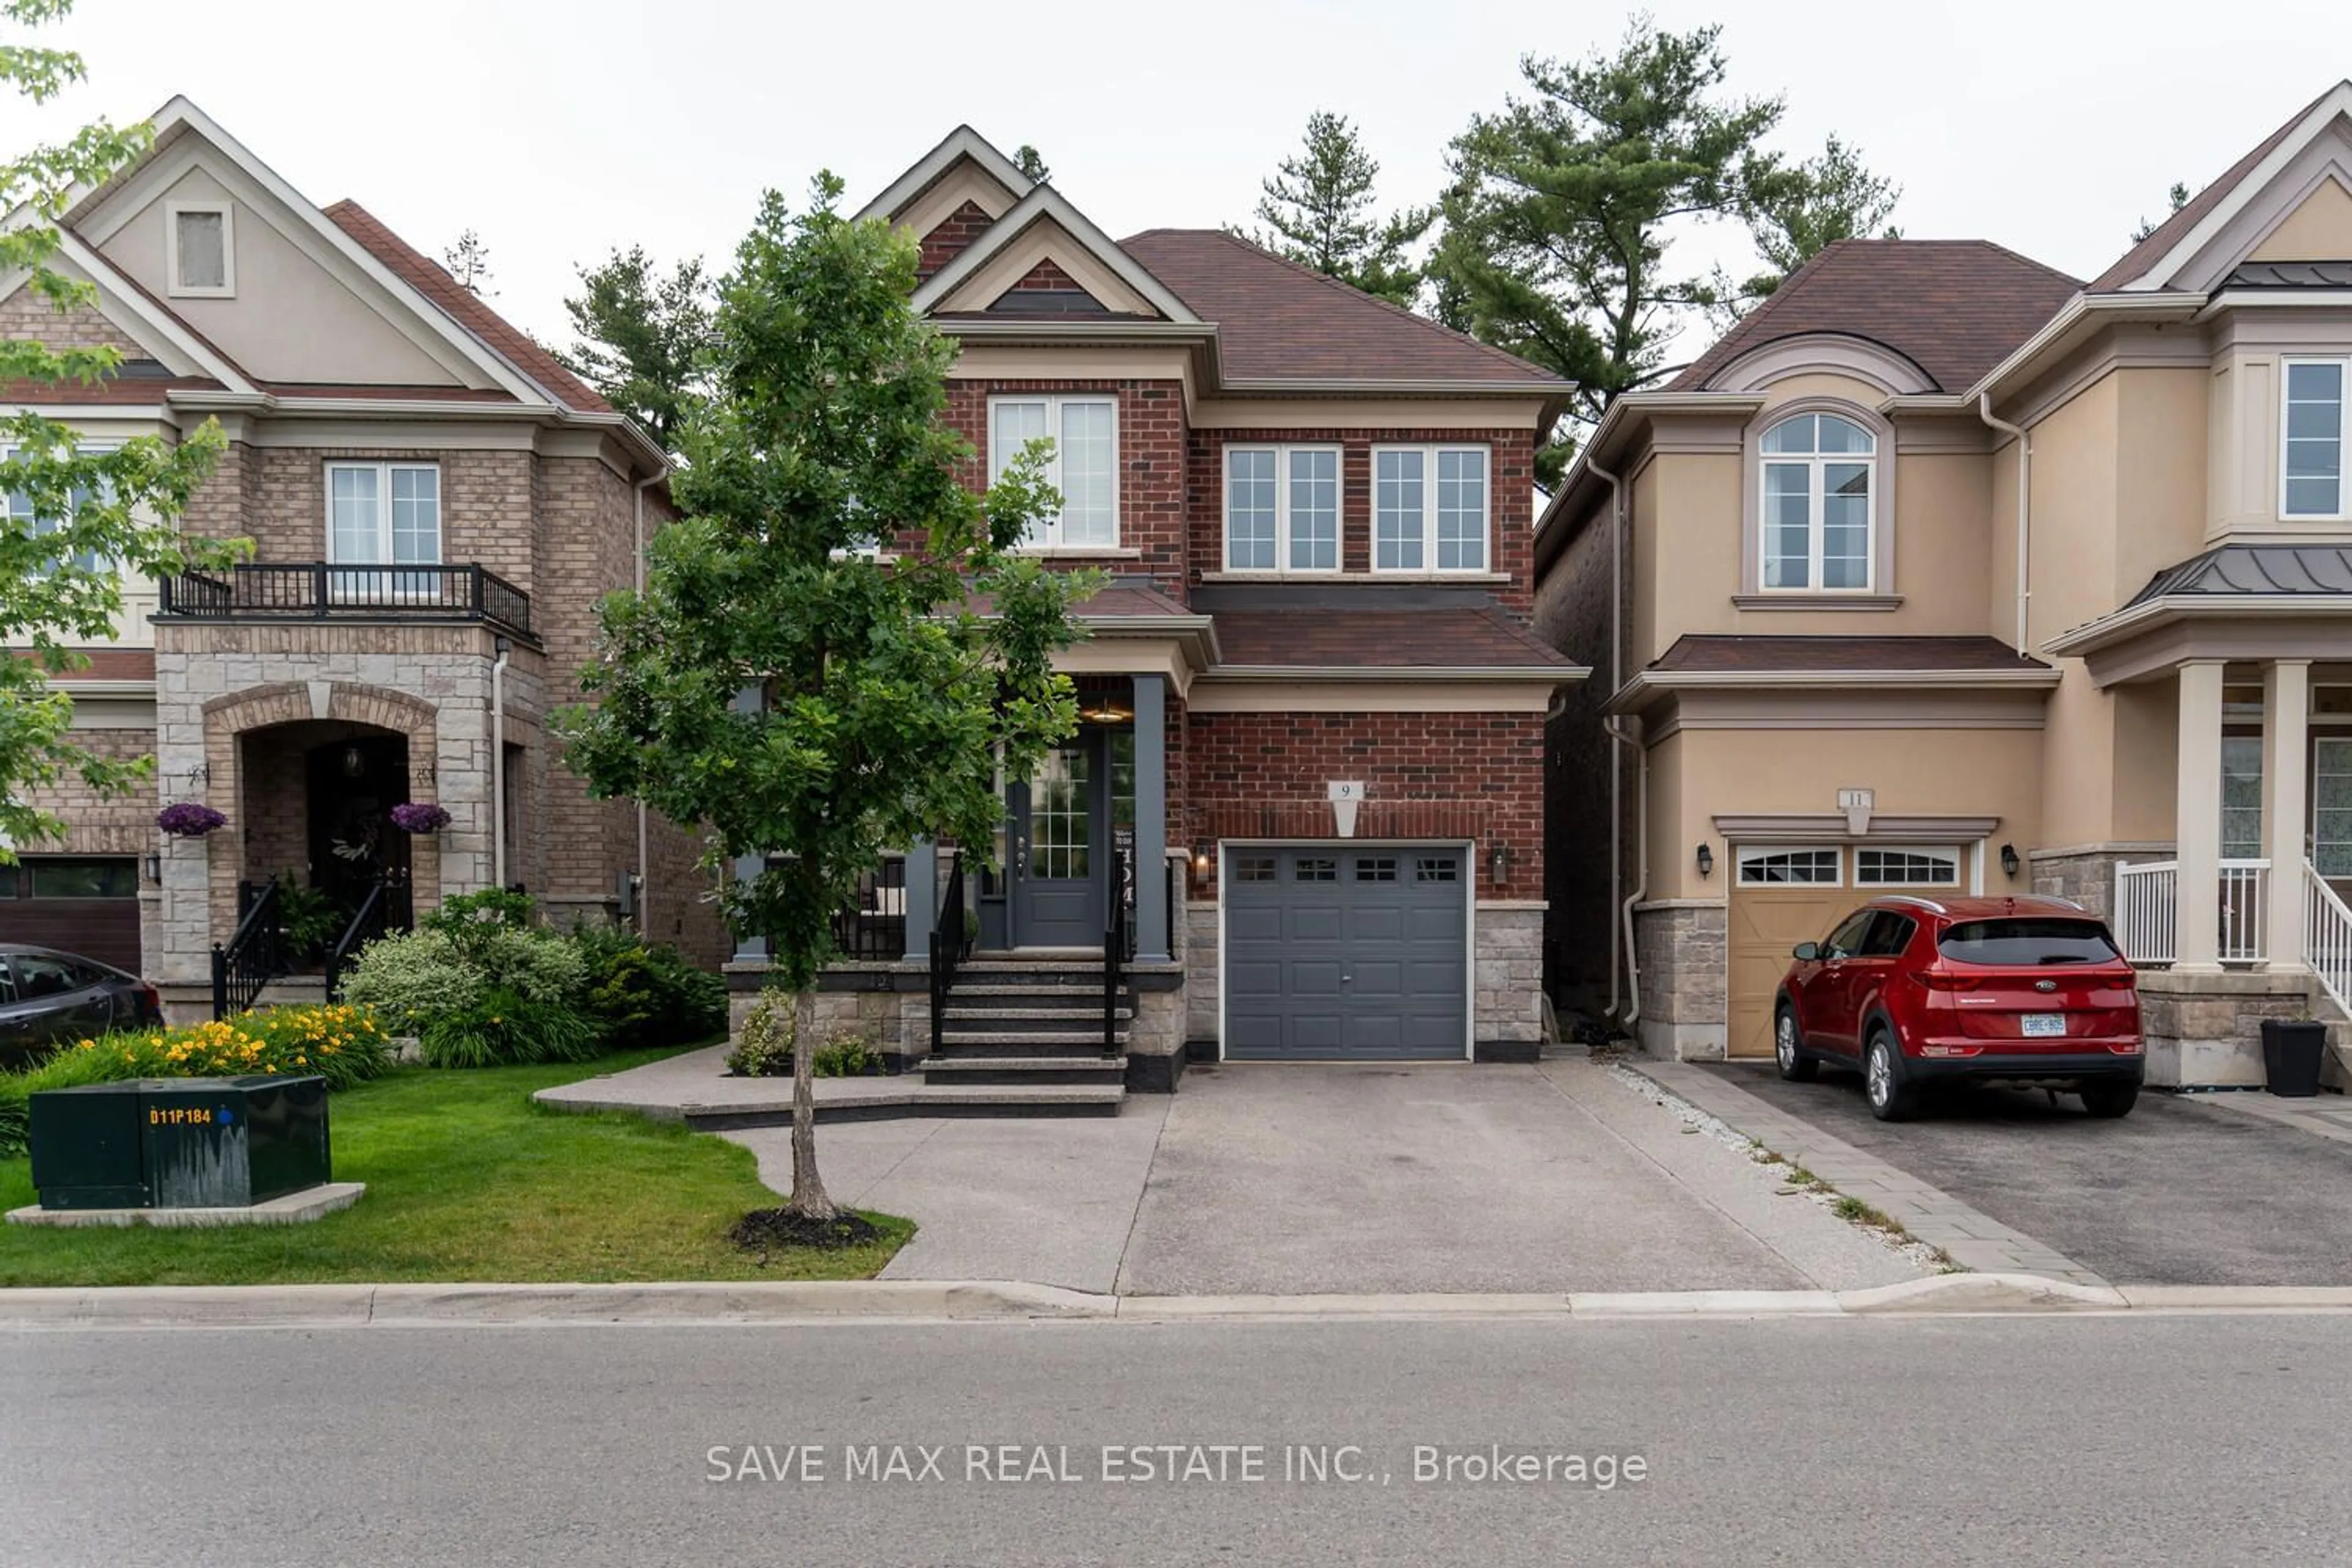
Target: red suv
[(1916, 992)]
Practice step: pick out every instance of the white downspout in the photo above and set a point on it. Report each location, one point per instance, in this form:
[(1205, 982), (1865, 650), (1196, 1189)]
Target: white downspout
[(498, 766), (645, 862), (1621, 924), (2024, 493), (1632, 1014)]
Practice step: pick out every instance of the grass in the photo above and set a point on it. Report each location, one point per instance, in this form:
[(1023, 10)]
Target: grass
[(467, 1180)]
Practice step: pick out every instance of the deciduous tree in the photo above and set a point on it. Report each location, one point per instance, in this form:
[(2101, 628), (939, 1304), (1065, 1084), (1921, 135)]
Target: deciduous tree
[(81, 514), (887, 698)]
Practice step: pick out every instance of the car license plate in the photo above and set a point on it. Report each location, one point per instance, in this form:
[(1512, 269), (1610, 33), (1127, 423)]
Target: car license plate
[(2042, 1026)]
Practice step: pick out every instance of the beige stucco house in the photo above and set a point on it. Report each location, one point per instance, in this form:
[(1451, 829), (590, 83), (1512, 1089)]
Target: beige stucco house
[(1943, 570), (434, 506)]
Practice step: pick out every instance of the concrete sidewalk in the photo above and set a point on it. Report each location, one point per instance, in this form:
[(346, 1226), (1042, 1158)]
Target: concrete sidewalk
[(1339, 1180)]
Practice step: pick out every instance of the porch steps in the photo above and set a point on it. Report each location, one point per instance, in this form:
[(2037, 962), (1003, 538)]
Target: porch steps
[(1105, 1071), (888, 1099), (1021, 1027)]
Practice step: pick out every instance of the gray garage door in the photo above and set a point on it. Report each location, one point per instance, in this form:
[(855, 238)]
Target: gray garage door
[(1336, 951)]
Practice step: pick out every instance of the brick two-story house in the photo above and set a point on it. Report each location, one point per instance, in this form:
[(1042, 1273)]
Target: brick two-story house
[(436, 506), (1944, 570), (1312, 706)]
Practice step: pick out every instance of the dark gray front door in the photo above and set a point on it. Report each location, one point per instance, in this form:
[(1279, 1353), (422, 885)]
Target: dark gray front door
[(1060, 827), (1338, 952)]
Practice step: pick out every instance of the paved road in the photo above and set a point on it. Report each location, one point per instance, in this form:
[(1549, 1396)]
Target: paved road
[(2182, 1440), (2175, 1194)]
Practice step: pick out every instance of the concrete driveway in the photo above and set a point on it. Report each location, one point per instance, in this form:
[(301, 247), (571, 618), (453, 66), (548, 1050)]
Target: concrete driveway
[(1343, 1179), (2186, 1190)]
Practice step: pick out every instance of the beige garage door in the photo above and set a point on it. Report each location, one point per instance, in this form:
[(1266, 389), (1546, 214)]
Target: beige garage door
[(1782, 896)]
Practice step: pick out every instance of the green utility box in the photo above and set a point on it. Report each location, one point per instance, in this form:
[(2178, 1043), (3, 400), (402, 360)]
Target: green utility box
[(179, 1143)]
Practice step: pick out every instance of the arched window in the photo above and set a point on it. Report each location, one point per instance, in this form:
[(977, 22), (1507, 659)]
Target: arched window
[(1817, 504)]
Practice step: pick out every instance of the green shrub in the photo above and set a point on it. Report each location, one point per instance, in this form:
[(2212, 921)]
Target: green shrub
[(411, 978), (648, 995), (505, 1028), (764, 1046), (344, 1044), (539, 964), (846, 1056), (311, 919)]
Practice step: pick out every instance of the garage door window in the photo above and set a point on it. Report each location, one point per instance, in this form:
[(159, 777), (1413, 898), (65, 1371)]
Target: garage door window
[(1781, 867), (1436, 869), (1253, 867), (1316, 869), (1907, 868), (84, 878), (1376, 868)]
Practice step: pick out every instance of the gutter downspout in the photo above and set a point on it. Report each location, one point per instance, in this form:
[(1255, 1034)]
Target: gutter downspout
[(2024, 493), (499, 765), (1621, 962), (644, 863)]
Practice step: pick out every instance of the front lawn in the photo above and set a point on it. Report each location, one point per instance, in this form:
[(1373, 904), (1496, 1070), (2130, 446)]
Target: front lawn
[(467, 1181)]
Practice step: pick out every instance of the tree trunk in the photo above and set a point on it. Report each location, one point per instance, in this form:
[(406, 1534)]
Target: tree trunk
[(808, 1188)]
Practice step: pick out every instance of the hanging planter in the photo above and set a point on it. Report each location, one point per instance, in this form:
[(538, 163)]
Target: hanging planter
[(189, 819), (419, 816)]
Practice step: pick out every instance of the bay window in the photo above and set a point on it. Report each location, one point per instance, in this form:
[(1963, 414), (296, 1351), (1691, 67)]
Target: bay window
[(1282, 509), (1431, 507), (1083, 467)]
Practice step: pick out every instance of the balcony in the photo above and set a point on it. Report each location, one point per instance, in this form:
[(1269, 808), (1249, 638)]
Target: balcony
[(327, 591)]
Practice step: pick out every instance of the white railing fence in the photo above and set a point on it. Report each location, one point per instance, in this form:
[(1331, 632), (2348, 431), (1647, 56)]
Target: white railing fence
[(2327, 937), (2147, 907), (2148, 911)]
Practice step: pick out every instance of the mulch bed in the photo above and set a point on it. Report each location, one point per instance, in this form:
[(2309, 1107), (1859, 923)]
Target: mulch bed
[(765, 1230)]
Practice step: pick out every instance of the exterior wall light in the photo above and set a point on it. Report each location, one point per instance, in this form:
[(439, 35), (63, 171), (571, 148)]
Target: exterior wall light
[(2009, 861), (1201, 857), (1499, 864), (1706, 861), (155, 866)]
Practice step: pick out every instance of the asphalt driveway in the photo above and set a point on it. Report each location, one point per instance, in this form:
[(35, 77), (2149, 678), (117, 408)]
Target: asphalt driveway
[(1279, 1179), (2177, 1193)]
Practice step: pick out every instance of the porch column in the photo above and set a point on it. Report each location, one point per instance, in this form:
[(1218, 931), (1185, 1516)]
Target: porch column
[(2286, 714), (1150, 819), (922, 898), (750, 948), (2197, 941)]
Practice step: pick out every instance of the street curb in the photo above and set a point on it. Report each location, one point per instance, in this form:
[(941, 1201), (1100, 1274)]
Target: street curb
[(981, 1300)]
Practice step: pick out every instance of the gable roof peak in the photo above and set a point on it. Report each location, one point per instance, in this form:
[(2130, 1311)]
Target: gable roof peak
[(961, 145)]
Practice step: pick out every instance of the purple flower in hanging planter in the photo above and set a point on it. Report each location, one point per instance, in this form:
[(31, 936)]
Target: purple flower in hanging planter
[(419, 816), (189, 819)]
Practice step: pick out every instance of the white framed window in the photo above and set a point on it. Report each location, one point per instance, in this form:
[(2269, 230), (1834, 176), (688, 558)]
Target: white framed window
[(1282, 509), (1816, 505), (22, 508), (2241, 797), (2331, 806), (1790, 867), (1431, 509), (202, 245), (1907, 866), (2314, 429), (383, 514), (1084, 466)]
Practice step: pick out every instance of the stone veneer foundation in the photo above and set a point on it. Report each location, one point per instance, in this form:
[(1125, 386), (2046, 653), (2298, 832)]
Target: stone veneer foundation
[(1681, 950)]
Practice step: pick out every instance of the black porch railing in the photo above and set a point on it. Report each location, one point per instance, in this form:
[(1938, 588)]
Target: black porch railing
[(385, 910), (952, 937), (1117, 932), (321, 590), (251, 958), (873, 925)]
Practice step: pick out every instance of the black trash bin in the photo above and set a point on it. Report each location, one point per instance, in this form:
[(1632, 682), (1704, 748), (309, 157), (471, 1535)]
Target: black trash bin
[(2292, 1049), (179, 1143)]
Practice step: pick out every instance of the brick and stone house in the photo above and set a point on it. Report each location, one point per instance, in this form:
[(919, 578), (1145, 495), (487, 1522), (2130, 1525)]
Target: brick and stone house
[(434, 505), (1945, 569), (1309, 770)]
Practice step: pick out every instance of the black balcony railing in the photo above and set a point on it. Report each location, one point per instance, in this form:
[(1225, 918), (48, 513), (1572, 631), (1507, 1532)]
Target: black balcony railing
[(321, 590), (874, 924)]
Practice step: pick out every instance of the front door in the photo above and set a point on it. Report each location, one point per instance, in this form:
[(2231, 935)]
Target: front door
[(1060, 827)]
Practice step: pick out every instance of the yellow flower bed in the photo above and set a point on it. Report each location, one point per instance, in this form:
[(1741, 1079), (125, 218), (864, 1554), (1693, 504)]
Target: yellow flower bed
[(344, 1044)]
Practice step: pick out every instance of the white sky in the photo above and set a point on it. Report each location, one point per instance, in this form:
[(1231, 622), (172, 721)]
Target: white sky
[(562, 128)]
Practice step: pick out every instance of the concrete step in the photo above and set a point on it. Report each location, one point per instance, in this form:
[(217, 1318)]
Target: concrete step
[(1003, 1043), (968, 1070), (895, 1097), (1076, 1018)]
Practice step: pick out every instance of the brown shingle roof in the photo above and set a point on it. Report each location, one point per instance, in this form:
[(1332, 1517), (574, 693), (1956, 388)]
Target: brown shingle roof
[(1468, 636), (466, 307), (1277, 321), (1792, 655), (1953, 307), (2166, 235), (113, 390)]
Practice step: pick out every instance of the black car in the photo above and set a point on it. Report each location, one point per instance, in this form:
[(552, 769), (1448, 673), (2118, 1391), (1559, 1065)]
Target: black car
[(48, 998)]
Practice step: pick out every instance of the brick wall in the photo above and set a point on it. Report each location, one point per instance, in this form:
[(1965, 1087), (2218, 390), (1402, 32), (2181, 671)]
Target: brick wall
[(1510, 502), (586, 535), (278, 497), (1571, 613), (955, 231), (26, 317), (1426, 775), (1151, 463), (97, 824)]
